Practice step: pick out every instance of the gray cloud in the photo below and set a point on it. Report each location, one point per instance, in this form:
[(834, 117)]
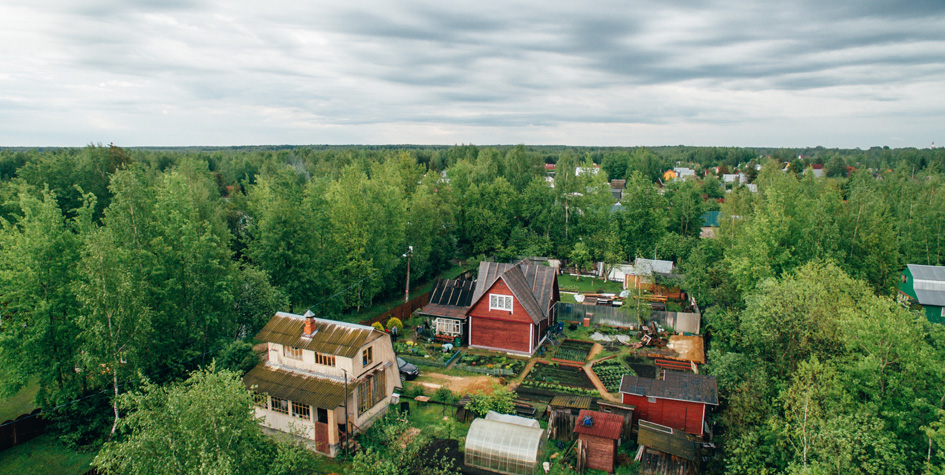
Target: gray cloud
[(735, 72)]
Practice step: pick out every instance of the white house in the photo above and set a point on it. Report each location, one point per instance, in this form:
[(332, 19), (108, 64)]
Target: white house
[(322, 379)]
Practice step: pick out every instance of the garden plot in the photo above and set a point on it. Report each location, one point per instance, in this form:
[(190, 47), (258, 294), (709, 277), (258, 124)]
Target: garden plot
[(552, 379), (575, 351), (610, 372), (643, 367), (491, 364)]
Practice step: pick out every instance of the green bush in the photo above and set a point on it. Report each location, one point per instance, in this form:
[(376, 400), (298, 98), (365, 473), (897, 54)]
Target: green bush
[(395, 322), (378, 326)]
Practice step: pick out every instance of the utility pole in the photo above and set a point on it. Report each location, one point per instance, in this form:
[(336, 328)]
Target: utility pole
[(407, 287)]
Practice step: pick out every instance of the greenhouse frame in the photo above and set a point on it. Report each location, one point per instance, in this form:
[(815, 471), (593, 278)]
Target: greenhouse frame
[(507, 446)]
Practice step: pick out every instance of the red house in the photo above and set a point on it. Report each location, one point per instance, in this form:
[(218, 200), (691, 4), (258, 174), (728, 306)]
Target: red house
[(512, 307), (678, 400)]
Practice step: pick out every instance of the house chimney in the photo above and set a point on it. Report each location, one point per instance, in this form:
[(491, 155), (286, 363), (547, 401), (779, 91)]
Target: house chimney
[(309, 330)]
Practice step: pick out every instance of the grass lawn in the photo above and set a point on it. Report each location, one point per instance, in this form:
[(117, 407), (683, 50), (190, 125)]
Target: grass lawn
[(44, 455), (369, 312), (588, 285), (20, 403)]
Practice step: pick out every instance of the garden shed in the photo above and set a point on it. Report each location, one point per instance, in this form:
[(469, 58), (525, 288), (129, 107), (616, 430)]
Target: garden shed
[(598, 438), (509, 446), (562, 415)]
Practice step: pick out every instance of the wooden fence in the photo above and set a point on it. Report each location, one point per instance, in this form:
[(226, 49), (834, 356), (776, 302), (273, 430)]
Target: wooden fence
[(22, 429), (402, 311)]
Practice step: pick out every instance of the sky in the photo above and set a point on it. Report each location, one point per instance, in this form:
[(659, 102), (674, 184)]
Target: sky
[(609, 73)]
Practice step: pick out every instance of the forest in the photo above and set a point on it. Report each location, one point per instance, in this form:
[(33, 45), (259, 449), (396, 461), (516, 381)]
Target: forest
[(125, 269)]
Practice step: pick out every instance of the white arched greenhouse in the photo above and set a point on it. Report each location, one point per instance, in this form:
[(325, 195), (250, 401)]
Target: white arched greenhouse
[(505, 444)]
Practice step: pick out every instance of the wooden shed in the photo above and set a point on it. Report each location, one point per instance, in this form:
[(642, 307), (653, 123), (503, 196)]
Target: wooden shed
[(563, 413), (598, 438), (622, 410), (678, 400), (666, 451)]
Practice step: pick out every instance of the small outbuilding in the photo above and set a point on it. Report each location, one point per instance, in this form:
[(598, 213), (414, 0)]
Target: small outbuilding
[(505, 444), (562, 415), (678, 400), (598, 438), (665, 451)]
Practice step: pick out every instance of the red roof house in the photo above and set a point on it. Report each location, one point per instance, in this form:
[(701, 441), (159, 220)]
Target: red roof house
[(600, 432), (678, 400), (512, 307)]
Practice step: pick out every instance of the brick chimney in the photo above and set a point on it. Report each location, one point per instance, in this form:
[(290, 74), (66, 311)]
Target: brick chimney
[(310, 329)]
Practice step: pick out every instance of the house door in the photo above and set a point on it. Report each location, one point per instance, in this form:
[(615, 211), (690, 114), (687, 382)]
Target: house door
[(321, 430)]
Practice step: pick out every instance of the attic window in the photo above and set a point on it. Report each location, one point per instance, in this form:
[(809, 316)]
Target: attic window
[(500, 302)]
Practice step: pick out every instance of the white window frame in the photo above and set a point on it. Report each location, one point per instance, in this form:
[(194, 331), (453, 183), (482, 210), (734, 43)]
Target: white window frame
[(943, 312), (448, 326), (500, 302)]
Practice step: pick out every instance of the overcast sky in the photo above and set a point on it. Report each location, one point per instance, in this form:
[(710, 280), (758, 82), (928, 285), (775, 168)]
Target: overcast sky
[(239, 72)]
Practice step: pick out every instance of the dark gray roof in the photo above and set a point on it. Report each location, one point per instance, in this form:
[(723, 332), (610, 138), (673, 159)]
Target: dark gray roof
[(532, 285), (674, 385), (928, 282), (453, 292)]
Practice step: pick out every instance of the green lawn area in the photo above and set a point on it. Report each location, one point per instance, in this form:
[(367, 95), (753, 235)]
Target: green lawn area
[(44, 455), (587, 285), (20, 403), (376, 309)]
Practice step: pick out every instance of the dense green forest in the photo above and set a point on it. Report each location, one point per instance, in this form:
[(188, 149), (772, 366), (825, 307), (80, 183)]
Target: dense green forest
[(127, 268)]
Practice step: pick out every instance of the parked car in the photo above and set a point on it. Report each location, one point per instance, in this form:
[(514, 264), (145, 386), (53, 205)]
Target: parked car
[(408, 371)]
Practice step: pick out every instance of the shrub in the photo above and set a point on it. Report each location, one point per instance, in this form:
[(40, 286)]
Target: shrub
[(443, 395), (395, 322), (378, 326)]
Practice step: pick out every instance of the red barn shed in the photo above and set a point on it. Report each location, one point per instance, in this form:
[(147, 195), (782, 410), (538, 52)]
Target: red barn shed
[(678, 400), (512, 307), (600, 434)]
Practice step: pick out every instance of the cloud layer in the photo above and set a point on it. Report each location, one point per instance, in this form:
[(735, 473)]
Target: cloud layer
[(183, 72)]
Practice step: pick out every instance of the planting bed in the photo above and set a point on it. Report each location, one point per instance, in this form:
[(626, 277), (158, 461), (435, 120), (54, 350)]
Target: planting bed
[(423, 354), (549, 379), (573, 350), (610, 372), (491, 364)]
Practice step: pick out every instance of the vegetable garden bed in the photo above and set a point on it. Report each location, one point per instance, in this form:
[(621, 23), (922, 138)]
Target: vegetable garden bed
[(425, 354), (610, 372), (573, 351), (643, 367), (491, 364)]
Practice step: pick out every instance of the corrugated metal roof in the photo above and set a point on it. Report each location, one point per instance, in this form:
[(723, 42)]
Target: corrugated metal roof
[(532, 285), (603, 424), (667, 440), (331, 337), (928, 282), (674, 385), (296, 386), (435, 310), (571, 402), (643, 266)]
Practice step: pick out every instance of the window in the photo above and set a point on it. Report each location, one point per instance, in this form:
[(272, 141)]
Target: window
[(322, 359), (904, 278), (943, 312), (446, 326), (367, 356), (371, 391), (500, 302), (290, 352), (260, 400), (279, 405), (302, 411)]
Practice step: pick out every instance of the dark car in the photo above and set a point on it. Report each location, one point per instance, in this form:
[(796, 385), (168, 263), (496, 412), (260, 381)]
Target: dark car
[(407, 370)]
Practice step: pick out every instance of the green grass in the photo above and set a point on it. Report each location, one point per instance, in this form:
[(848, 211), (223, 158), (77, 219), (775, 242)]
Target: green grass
[(44, 455), (371, 311), (20, 403), (588, 285)]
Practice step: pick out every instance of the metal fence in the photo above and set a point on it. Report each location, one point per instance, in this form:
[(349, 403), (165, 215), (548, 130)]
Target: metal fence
[(623, 317)]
